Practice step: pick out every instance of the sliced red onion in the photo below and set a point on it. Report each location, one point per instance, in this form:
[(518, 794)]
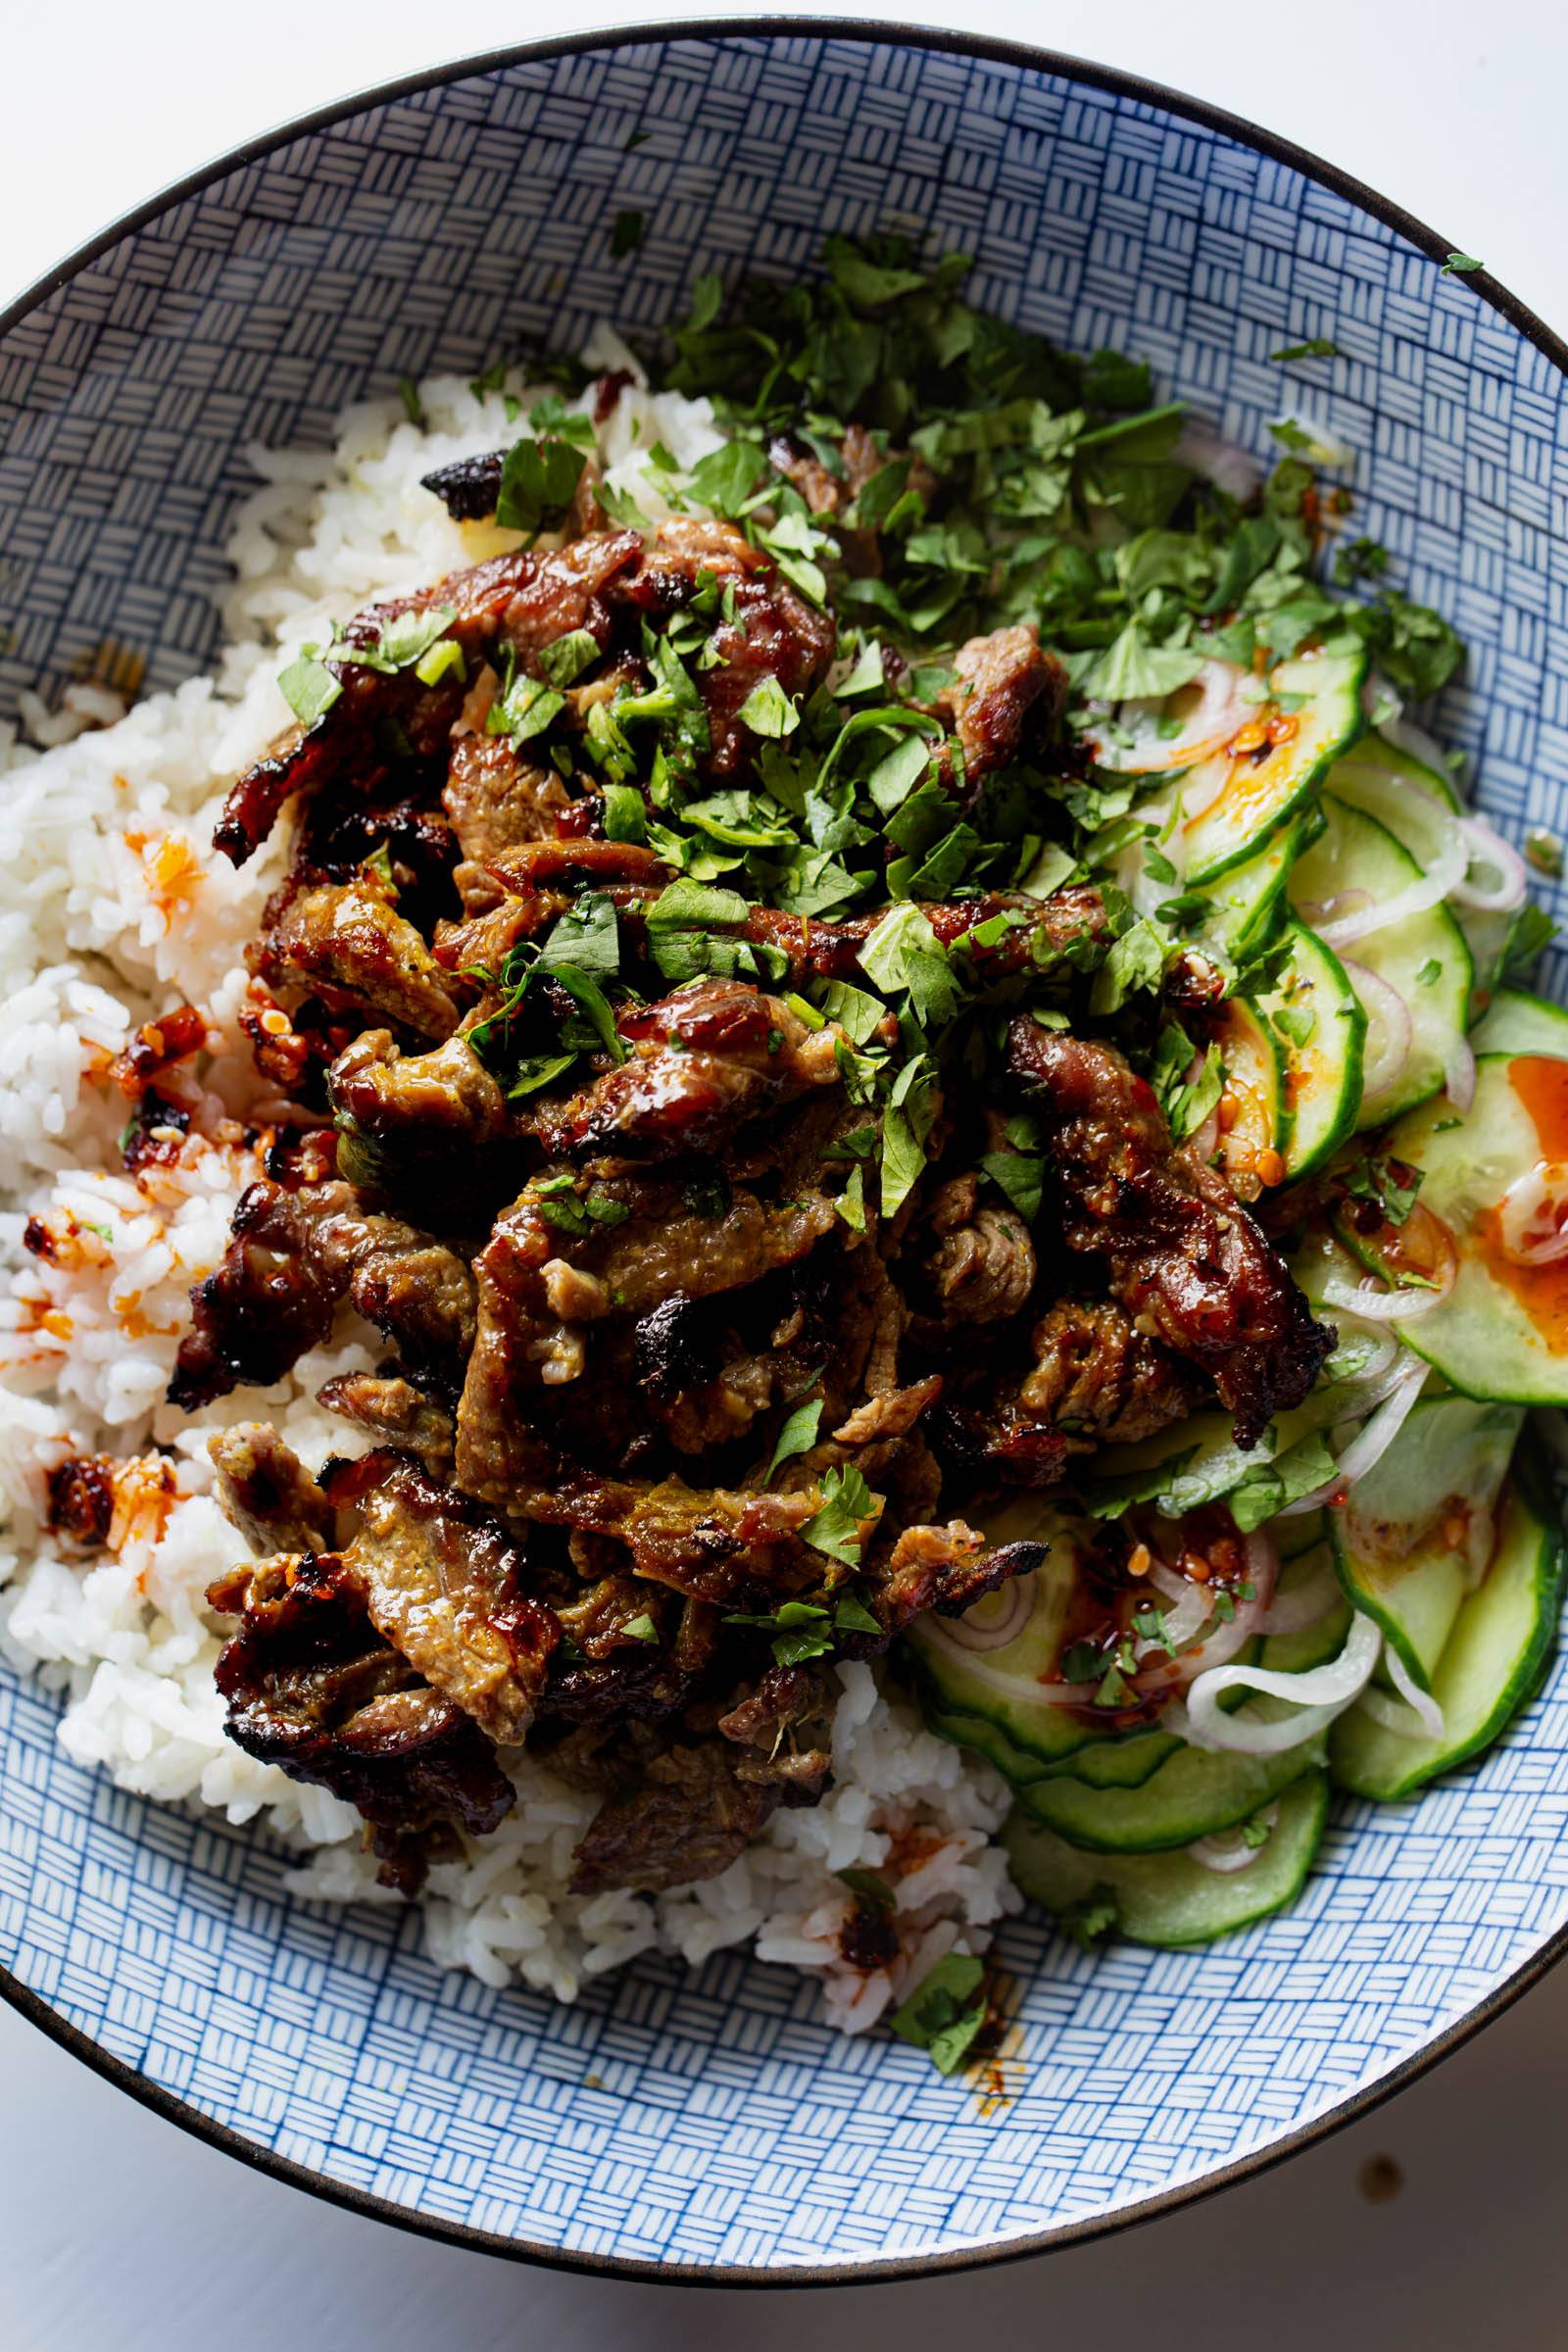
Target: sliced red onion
[(1234, 469), (1320, 1694), (995, 1619), (1414, 1715), (1483, 847), (1533, 1216), (1389, 1031), (1459, 1074), (1388, 1306), (1191, 1607), (1308, 1603), (1370, 1443), (1228, 1851), (1439, 882), (1217, 715), (1406, 736)]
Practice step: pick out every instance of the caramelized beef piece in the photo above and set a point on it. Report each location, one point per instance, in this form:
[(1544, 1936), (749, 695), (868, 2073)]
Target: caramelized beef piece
[(701, 1063), (294, 1256), (1179, 1249), (1100, 1380), (785, 1726), (943, 1568), (620, 1677), (402, 1116), (347, 947), (267, 1493), (445, 1587), (526, 601), (341, 831), (81, 1498), (543, 1287), (312, 1688), (687, 1817), (774, 633), (394, 1411), (157, 1047), (983, 1269), (1004, 688), (495, 800)]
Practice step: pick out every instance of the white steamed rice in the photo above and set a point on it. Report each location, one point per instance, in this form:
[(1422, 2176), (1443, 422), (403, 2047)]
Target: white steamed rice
[(113, 907)]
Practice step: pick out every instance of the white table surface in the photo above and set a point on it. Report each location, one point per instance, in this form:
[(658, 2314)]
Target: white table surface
[(119, 2233)]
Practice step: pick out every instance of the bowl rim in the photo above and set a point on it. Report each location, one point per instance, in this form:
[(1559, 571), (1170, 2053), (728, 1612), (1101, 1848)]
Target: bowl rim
[(867, 32)]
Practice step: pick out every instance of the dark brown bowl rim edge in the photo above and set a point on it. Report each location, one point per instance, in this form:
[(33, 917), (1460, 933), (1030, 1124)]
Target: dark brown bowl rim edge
[(1537, 1962)]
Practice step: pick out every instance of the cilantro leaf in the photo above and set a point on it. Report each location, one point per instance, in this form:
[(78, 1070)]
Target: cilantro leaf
[(308, 686), (945, 2012), (798, 1435), (538, 482), (847, 1503)]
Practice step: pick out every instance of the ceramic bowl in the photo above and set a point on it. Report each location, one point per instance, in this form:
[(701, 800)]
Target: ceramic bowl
[(707, 2125)]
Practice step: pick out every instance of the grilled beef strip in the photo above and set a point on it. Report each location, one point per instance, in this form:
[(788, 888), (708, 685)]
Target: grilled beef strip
[(1180, 1251)]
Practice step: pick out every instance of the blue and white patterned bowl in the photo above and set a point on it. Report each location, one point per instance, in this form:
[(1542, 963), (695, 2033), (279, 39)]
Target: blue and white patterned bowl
[(706, 2127)]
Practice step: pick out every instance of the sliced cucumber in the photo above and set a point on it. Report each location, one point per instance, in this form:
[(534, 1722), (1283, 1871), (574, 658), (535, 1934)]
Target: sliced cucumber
[(1195, 1793), (1516, 1022), (1423, 958), (1362, 777), (1501, 1333), (1319, 1020), (1245, 901), (1399, 1542), (1376, 758), (1115, 1760), (1242, 799), (1169, 1899), (1254, 1084), (1490, 1663)]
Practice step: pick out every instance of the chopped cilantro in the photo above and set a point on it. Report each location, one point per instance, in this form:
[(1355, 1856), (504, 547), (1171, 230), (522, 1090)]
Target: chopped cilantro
[(538, 482), (1544, 851), (1460, 265), (408, 394), (1319, 348), (626, 234), (871, 1886), (945, 2012), (847, 1503), (308, 686), (641, 1628)]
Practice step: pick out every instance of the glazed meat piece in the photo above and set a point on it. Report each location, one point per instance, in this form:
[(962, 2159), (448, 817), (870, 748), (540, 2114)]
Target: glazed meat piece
[(341, 830), (1102, 1381), (703, 1062), (785, 1727), (344, 945), (542, 1286), (774, 632), (618, 1676), (394, 1411), (445, 1587), (81, 1498), (312, 1688), (495, 800), (267, 1491), (524, 600), (399, 1112), (1005, 689), (1179, 1249), (983, 1266), (293, 1258), (943, 1568), (687, 1816)]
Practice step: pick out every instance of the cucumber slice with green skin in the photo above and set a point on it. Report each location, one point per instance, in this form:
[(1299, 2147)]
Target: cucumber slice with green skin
[(1362, 778), (1244, 800), (1120, 1761), (1321, 1026), (1377, 754), (1516, 1022), (1501, 1333), (1424, 957), (1490, 1664), (1400, 1542), (1169, 1899), (1195, 1793), (1255, 1082), (1247, 902)]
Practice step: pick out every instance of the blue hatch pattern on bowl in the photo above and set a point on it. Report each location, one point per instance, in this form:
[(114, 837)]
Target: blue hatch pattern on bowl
[(709, 2121)]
